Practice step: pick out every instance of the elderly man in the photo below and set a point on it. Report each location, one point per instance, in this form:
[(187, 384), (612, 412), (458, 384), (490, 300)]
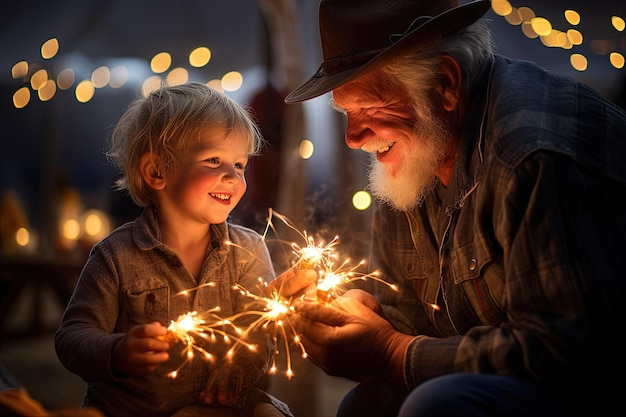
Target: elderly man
[(501, 219)]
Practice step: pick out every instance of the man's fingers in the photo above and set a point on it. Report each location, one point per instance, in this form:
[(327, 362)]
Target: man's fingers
[(352, 306), (322, 313), (292, 282)]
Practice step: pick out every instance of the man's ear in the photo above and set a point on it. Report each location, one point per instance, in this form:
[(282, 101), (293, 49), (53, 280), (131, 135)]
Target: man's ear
[(449, 81), (151, 170)]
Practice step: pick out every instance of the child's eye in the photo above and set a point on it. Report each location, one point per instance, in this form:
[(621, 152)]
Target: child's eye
[(240, 166), (212, 160)]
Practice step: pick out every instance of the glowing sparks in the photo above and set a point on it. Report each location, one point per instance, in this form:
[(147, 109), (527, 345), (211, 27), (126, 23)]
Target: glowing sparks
[(313, 255), (332, 282), (274, 319), (270, 315), (188, 326), (322, 257)]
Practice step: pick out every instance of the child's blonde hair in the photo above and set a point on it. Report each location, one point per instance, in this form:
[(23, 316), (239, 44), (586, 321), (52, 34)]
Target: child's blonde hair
[(165, 123)]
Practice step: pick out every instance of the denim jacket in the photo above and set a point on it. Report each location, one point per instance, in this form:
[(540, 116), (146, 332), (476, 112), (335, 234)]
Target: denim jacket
[(517, 267), (132, 278)]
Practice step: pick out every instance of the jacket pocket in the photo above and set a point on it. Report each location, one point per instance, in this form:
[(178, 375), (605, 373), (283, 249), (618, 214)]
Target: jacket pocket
[(148, 300)]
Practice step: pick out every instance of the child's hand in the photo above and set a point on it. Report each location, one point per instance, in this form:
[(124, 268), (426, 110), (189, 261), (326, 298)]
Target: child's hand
[(140, 351), (226, 386)]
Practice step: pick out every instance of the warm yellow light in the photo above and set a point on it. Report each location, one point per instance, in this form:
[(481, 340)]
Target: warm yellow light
[(617, 60), (527, 14), (216, 84), (161, 62), (100, 77), (527, 30), (572, 17), (151, 84), (96, 224), (84, 91), (556, 38), (232, 81), (21, 97), (514, 18), (541, 26), (501, 7), (71, 229), (563, 40), (49, 48), (19, 70), (47, 91), (361, 200), (38, 79), (177, 76), (575, 37), (306, 148), (199, 57), (578, 62), (93, 224), (618, 23), (22, 236)]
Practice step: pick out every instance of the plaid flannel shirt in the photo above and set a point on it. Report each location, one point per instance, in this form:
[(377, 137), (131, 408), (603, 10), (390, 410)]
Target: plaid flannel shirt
[(518, 266)]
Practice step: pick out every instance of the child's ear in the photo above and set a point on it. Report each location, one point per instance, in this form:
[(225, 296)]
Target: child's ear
[(151, 170)]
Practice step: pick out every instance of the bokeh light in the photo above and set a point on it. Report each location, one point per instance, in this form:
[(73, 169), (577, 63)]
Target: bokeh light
[(232, 81), (579, 62), (361, 200), (50, 48), (199, 57), (161, 62), (21, 97), (177, 76), (85, 91), (306, 149)]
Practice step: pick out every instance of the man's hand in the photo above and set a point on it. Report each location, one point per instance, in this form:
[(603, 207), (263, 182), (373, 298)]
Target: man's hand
[(141, 350), (365, 298), (348, 338), (292, 283)]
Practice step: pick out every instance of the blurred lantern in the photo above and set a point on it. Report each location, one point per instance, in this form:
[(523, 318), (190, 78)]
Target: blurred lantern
[(15, 233)]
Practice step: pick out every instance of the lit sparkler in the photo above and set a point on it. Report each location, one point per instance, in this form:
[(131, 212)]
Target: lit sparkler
[(322, 257), (274, 319), (311, 255), (193, 324), (270, 314), (332, 282)]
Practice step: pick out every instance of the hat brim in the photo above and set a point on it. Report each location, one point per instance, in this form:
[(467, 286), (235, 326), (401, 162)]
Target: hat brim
[(444, 23)]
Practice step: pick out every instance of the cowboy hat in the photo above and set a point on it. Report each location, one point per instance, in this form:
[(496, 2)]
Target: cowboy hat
[(359, 36)]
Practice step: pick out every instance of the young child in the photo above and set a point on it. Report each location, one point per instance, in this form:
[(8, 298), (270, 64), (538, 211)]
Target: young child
[(182, 151)]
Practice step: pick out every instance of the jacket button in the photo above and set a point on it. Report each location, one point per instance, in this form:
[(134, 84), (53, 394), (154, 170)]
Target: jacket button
[(150, 297), (410, 267), (472, 265)]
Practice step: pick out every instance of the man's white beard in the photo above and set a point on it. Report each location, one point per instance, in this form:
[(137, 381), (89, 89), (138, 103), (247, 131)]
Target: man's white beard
[(416, 177)]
